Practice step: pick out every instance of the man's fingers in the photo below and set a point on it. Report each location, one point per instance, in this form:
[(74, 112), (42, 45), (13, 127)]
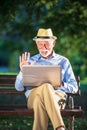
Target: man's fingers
[(20, 60), (28, 56), (23, 57)]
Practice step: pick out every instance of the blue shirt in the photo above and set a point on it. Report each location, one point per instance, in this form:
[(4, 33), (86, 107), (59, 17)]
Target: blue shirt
[(68, 78)]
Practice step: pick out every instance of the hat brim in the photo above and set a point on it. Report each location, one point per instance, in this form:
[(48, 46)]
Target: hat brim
[(44, 37)]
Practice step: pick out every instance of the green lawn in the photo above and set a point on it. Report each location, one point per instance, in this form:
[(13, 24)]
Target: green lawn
[(25, 123), (7, 73)]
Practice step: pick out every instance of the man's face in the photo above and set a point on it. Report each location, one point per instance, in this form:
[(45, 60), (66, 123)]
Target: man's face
[(45, 46)]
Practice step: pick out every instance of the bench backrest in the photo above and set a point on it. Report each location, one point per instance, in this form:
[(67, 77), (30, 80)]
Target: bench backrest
[(8, 81)]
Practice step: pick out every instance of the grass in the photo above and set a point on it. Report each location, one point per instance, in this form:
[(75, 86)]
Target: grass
[(16, 123), (7, 73), (25, 123)]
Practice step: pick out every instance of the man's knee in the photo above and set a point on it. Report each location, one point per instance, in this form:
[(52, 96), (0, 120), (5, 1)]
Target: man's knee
[(37, 101), (47, 86)]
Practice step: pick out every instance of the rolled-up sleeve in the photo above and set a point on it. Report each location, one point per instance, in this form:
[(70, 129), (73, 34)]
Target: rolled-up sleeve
[(19, 82), (68, 78)]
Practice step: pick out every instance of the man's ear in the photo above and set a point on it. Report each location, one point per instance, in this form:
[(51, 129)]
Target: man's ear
[(54, 42)]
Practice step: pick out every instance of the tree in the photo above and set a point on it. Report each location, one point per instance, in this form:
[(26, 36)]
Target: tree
[(21, 20)]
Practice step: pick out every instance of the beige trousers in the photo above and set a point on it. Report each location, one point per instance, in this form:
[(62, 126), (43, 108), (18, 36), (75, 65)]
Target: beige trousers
[(44, 100)]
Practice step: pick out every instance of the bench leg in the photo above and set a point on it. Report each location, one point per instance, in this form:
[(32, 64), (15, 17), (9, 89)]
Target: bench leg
[(71, 123)]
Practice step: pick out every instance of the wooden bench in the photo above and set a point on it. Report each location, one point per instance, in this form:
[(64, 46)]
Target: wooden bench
[(13, 109)]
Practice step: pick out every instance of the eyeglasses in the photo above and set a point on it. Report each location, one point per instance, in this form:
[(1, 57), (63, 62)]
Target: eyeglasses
[(43, 39), (44, 43)]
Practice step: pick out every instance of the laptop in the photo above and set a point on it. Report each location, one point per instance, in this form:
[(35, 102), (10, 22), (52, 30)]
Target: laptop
[(36, 75)]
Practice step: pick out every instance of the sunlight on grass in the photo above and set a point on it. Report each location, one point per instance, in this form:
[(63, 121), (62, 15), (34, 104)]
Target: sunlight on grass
[(7, 73)]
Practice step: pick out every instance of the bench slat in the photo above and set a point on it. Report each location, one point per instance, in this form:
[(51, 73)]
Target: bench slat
[(25, 112), (7, 80), (16, 107), (10, 92), (72, 112), (16, 112)]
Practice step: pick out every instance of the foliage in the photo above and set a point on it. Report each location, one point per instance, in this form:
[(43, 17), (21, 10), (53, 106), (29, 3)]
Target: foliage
[(20, 21), (84, 81)]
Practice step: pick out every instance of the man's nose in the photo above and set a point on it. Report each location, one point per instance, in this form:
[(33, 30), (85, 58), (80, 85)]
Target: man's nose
[(43, 46)]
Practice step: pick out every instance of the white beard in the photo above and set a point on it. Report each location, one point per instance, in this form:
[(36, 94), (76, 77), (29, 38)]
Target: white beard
[(45, 53)]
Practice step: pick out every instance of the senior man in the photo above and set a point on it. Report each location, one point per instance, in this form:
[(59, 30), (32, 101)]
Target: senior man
[(44, 99)]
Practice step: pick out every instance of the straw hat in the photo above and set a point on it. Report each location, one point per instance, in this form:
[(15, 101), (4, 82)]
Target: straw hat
[(44, 34)]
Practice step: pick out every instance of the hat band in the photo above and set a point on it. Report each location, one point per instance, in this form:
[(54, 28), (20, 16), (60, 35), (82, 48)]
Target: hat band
[(44, 37)]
